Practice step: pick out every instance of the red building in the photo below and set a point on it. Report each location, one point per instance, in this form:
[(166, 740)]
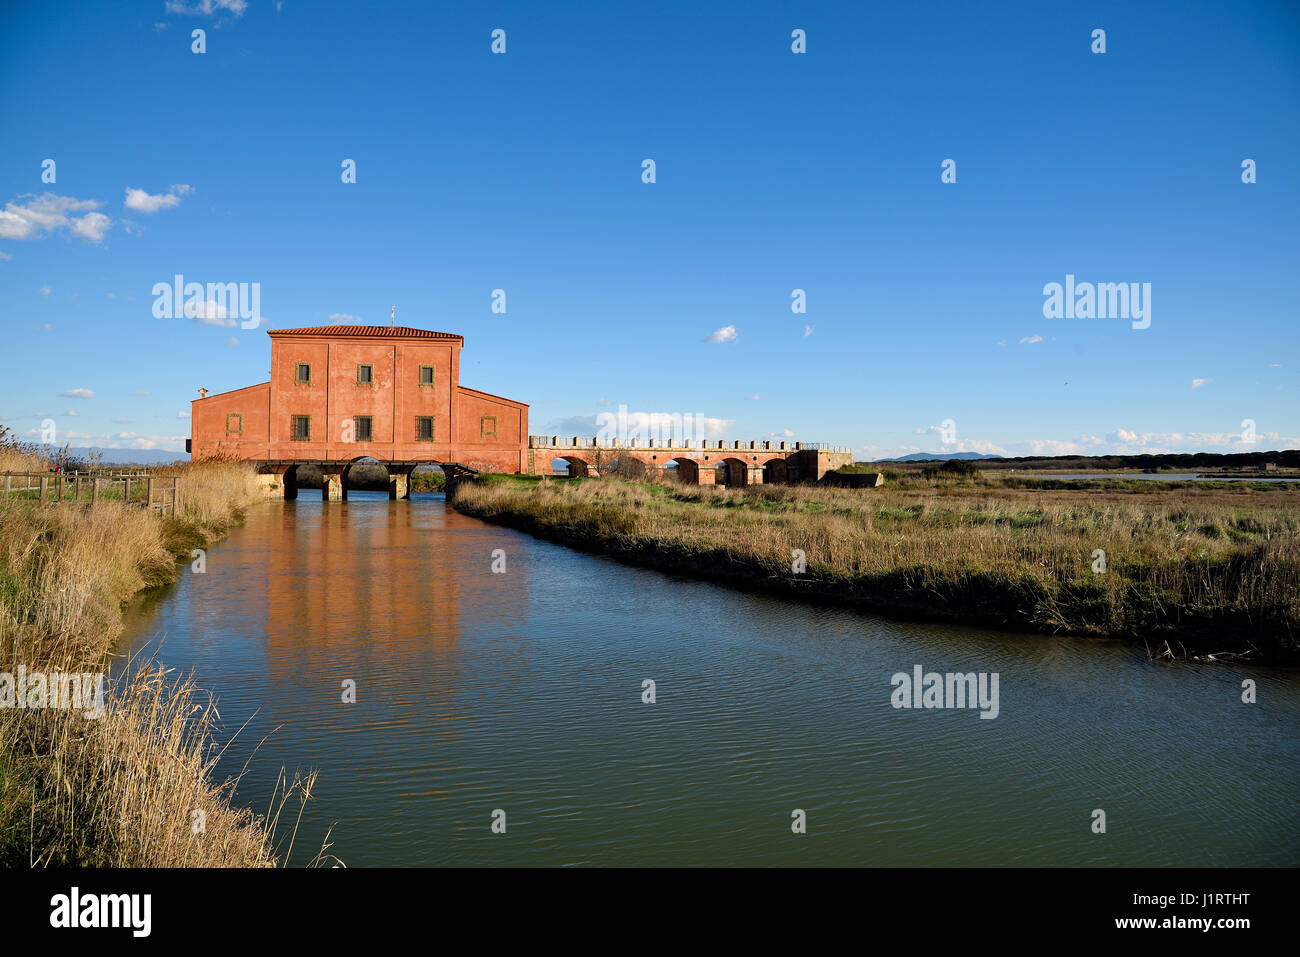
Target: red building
[(342, 393)]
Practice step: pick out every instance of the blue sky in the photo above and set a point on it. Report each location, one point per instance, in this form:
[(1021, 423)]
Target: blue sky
[(775, 171)]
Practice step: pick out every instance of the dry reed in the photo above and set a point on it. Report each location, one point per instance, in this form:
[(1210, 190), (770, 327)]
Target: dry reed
[(1217, 567), (135, 787)]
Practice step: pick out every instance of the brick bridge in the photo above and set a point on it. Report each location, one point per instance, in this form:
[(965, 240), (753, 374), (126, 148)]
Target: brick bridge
[(707, 462)]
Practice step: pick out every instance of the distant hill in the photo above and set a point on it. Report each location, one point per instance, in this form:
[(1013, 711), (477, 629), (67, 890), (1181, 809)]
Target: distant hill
[(940, 456), (131, 456)]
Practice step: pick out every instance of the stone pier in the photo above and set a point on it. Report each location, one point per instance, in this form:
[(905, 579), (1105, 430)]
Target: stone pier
[(399, 481), (333, 487)]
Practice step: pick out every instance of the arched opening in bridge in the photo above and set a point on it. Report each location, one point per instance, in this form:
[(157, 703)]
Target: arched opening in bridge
[(290, 482), (683, 470), (776, 472), (571, 465), (733, 473), (365, 474), (628, 467)]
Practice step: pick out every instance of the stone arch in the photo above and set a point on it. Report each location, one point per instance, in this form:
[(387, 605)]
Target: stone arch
[(367, 463), (776, 471), (629, 465), (576, 466), (289, 481), (687, 471), (732, 472), (363, 473)]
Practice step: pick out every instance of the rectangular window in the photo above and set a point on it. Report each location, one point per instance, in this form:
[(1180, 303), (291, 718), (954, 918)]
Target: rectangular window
[(301, 428), (234, 423), (487, 427), (426, 375), (424, 428), (303, 375), (364, 430), (365, 374)]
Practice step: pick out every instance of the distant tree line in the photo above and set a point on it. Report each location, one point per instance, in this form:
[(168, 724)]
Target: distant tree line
[(1180, 461)]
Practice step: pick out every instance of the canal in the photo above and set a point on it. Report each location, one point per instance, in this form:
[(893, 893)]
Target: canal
[(521, 690)]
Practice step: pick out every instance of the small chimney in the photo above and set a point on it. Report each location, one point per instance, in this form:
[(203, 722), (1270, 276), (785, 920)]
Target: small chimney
[(203, 393)]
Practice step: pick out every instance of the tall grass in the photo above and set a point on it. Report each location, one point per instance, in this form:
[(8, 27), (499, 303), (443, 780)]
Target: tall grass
[(135, 787), (1218, 569)]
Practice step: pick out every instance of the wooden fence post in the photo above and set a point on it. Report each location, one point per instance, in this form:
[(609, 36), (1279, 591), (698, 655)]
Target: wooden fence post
[(45, 481), (148, 493), (94, 491), (126, 490)]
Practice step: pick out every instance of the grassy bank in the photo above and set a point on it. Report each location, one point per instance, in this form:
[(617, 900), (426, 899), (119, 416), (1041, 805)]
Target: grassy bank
[(132, 787), (1209, 570)]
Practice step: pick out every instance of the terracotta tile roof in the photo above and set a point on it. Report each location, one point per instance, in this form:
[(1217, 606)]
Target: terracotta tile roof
[(372, 332)]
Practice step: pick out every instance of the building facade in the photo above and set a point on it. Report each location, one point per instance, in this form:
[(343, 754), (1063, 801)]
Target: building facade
[(342, 393)]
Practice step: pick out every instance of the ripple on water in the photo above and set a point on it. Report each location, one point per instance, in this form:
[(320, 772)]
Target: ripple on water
[(523, 691)]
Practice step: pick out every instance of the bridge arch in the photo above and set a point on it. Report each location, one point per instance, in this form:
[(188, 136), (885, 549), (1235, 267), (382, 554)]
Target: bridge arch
[(629, 465), (357, 481), (576, 466), (687, 471), (732, 472), (289, 481), (776, 471)]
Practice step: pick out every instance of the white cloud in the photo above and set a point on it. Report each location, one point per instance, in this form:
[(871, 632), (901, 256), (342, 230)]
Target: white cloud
[(1084, 445), (209, 312), (41, 215), (235, 8), (72, 412), (968, 445), (753, 398), (725, 334), (5, 255), (1118, 442), (90, 227), (143, 202), (1197, 383), (1128, 442), (66, 434), (345, 317), (602, 401), (1030, 340), (79, 393), (122, 421), (125, 440), (182, 415), (46, 290), (643, 425), (807, 330), (139, 392), (232, 341)]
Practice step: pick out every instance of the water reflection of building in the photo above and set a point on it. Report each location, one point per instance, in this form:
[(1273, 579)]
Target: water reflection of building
[(373, 590)]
